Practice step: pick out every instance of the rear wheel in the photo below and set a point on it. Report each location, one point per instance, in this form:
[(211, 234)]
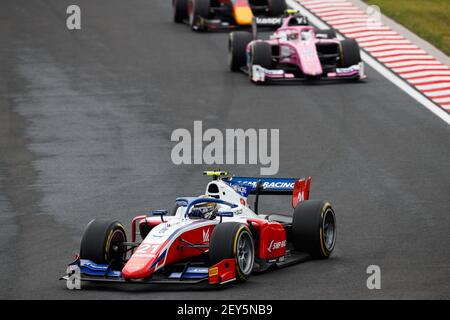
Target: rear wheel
[(276, 7), (233, 240), (237, 45), (314, 228), (180, 10), (198, 9), (350, 54), (101, 243)]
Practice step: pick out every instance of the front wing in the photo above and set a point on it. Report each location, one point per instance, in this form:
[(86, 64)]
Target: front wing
[(261, 75), (180, 273)]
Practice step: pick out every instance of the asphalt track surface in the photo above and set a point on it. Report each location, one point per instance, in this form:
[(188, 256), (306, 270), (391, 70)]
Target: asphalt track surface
[(85, 125)]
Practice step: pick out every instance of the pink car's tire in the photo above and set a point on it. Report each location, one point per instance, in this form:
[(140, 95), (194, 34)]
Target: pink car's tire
[(237, 45), (180, 10), (350, 53), (261, 54), (276, 7)]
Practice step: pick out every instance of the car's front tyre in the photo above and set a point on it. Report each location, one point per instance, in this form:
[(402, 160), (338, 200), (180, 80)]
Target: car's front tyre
[(101, 242), (233, 240), (350, 53), (237, 46)]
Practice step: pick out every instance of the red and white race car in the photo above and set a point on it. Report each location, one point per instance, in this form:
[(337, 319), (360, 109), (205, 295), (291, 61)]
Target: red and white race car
[(216, 237)]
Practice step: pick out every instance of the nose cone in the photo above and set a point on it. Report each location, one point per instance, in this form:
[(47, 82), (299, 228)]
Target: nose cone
[(139, 266), (309, 59), (243, 15)]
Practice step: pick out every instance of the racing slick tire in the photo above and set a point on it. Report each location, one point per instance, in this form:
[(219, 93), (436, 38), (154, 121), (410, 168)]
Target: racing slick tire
[(350, 54), (180, 10), (237, 45), (329, 34), (314, 228), (198, 9), (100, 242), (233, 240), (276, 7), (261, 54)]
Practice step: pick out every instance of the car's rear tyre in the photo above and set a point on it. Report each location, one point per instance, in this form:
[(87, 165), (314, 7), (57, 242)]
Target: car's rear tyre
[(328, 34), (314, 228), (233, 240), (180, 10), (198, 9), (100, 242), (276, 7), (237, 45), (350, 53)]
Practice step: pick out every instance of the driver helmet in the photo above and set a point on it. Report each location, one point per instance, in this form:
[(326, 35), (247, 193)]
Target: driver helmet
[(205, 210)]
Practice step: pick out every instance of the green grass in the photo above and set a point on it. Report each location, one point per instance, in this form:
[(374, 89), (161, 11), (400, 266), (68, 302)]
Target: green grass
[(429, 19)]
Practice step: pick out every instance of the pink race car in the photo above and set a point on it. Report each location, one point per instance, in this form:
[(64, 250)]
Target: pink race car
[(296, 51)]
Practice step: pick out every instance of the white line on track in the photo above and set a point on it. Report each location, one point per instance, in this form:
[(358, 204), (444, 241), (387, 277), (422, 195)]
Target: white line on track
[(388, 74)]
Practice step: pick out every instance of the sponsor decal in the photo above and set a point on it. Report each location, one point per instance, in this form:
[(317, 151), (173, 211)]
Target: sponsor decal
[(241, 189), (206, 235), (270, 185), (268, 21), (276, 245), (213, 271), (347, 70)]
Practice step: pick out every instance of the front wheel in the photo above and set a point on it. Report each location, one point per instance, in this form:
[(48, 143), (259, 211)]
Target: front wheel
[(233, 240), (237, 46), (314, 228), (350, 53), (101, 242), (260, 55)]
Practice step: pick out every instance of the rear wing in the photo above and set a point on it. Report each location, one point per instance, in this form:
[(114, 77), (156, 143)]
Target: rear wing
[(299, 189), (272, 186), (277, 22)]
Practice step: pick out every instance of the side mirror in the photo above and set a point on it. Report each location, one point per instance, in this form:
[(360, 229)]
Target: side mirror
[(222, 214), (160, 213)]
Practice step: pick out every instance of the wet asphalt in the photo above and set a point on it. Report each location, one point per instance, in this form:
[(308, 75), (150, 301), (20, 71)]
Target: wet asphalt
[(85, 123)]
